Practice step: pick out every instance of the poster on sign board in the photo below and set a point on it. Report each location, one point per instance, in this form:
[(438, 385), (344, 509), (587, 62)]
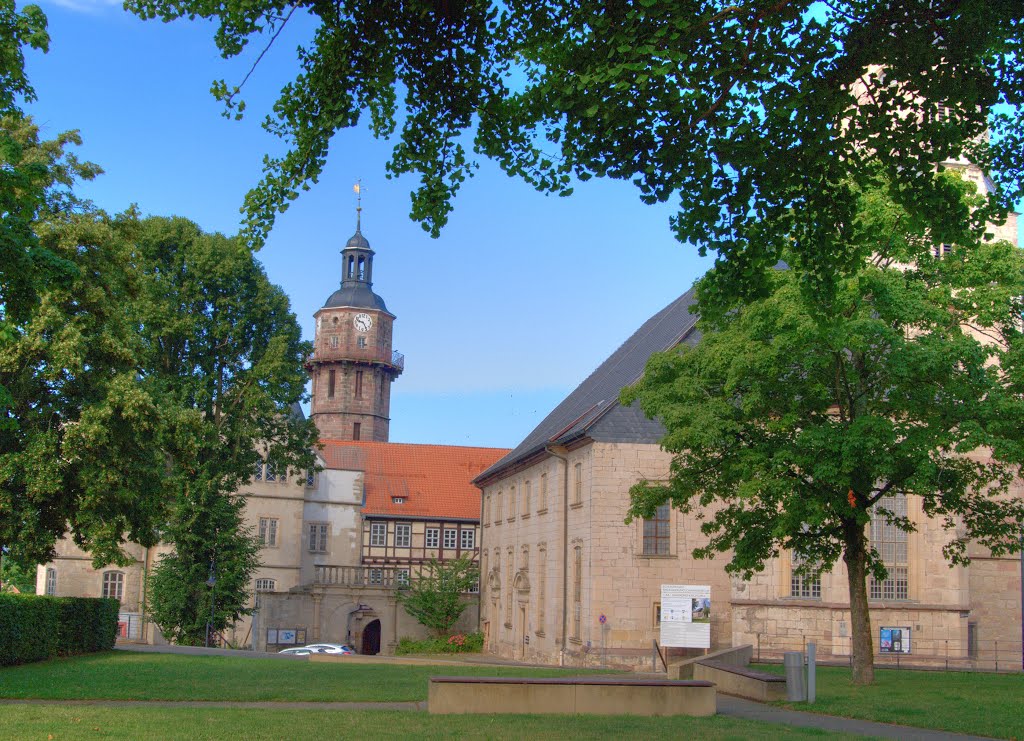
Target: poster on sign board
[(685, 615), (286, 637), (894, 640)]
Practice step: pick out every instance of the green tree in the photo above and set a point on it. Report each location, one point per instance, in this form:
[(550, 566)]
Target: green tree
[(205, 583), (792, 420), (80, 434), (13, 574), (436, 596), (746, 113), (225, 351)]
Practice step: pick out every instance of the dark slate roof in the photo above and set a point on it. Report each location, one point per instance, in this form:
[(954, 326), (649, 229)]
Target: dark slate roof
[(357, 240), (357, 295), (593, 409), (297, 413)]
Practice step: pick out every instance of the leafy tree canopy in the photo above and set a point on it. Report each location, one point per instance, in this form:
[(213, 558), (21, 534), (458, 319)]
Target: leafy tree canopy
[(436, 596), (762, 119), (788, 425)]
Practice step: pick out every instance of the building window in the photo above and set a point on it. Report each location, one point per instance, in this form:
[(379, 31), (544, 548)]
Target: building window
[(334, 342), (310, 478), (359, 384), (497, 509), (450, 538), (376, 576), (512, 503), (330, 384), (356, 430), (257, 472), (803, 584), (508, 589), (577, 591), (657, 614), (656, 532), (265, 585), (890, 542), (378, 533), (542, 505), (468, 539), (268, 531), (361, 342), (487, 510), (317, 537), (433, 537), (542, 566), (527, 495), (271, 472), (51, 581), (402, 577), (577, 487), (403, 535), (113, 584)]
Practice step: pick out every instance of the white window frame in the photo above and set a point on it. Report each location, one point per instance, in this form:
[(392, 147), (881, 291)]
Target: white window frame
[(451, 538), (266, 585), (467, 539), (403, 535), (268, 532), (318, 532), (432, 537), (113, 584), (378, 534), (51, 581)]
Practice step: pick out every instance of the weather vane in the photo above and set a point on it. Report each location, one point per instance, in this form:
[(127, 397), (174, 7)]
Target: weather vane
[(358, 190)]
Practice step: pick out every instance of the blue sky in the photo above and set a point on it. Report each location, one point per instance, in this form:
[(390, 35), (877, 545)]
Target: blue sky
[(520, 298)]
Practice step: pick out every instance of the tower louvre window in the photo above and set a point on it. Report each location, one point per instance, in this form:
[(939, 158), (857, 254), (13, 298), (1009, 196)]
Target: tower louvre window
[(359, 384), (330, 384), (356, 430)]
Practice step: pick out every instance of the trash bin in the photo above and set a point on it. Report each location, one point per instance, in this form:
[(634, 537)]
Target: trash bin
[(794, 663)]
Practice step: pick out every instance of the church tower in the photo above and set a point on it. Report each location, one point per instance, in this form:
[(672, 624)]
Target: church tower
[(353, 365)]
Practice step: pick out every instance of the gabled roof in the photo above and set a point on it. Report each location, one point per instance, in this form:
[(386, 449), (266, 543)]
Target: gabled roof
[(435, 480), (593, 409)]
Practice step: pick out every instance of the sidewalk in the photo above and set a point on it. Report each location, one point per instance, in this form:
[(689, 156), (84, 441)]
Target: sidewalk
[(736, 707)]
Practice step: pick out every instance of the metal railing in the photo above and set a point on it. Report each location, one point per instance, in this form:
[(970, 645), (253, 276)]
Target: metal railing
[(932, 653)]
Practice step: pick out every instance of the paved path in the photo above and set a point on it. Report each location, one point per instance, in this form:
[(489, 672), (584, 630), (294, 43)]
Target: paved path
[(736, 707)]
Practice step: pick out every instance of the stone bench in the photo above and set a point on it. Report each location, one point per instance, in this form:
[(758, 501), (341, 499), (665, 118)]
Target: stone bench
[(741, 681), (570, 695)]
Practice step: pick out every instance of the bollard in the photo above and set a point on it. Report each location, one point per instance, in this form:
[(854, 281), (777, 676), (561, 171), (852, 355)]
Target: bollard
[(812, 679), (794, 663)]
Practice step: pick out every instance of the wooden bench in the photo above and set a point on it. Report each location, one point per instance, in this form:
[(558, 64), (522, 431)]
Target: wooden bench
[(570, 695), (741, 681)]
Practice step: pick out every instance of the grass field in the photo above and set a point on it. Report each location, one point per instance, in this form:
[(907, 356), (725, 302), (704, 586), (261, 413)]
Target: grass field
[(962, 702), (983, 704), (63, 723), (120, 675)]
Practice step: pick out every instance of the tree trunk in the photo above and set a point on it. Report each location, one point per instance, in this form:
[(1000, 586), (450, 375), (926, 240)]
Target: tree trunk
[(855, 556)]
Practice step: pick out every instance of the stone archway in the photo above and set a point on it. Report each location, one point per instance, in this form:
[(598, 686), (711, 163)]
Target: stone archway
[(371, 638)]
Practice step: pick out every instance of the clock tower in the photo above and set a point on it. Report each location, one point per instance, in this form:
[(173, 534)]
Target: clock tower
[(353, 365)]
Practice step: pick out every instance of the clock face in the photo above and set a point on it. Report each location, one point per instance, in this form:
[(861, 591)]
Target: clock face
[(362, 322)]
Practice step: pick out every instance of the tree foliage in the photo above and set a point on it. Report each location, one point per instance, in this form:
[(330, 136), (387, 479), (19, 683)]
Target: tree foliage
[(436, 596), (762, 119), (788, 424), (225, 352)]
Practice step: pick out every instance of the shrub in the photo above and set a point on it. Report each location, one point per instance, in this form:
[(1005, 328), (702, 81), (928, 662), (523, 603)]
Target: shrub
[(454, 644), (34, 628)]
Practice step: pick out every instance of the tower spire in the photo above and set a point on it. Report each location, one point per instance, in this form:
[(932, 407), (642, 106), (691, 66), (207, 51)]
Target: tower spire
[(358, 189)]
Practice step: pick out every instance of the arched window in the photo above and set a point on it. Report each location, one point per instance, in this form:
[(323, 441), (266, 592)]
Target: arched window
[(113, 584), (51, 581)]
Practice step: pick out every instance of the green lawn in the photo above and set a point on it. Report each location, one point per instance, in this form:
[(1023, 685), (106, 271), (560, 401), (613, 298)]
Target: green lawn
[(962, 702), (120, 675), (60, 723)]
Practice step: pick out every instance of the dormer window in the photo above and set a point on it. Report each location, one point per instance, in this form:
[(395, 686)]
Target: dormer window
[(398, 500)]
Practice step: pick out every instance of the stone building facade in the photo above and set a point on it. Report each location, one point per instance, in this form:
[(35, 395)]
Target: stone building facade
[(568, 581)]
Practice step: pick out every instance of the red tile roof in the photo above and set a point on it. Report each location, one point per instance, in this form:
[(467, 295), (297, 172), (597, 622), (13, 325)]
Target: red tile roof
[(436, 480)]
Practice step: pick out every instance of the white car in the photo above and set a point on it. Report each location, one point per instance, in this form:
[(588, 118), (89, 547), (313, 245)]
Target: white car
[(330, 648), (318, 648)]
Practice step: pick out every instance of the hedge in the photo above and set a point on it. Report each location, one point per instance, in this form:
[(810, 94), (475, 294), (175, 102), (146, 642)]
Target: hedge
[(35, 628)]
